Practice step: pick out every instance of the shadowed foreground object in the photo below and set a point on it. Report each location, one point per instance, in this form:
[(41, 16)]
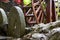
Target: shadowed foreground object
[(3, 22), (16, 26)]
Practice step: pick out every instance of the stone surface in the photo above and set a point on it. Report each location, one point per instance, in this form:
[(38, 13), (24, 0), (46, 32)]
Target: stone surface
[(16, 26)]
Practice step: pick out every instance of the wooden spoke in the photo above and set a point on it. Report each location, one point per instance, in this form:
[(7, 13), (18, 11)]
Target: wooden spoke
[(37, 3), (39, 15)]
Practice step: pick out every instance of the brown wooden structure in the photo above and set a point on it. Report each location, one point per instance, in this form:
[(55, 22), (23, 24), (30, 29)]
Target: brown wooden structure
[(35, 14), (38, 10), (29, 16), (50, 11)]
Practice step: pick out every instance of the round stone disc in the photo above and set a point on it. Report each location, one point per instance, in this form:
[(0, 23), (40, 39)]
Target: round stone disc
[(3, 22), (3, 17), (16, 26)]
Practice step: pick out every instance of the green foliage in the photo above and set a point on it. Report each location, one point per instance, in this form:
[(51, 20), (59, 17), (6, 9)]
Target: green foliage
[(43, 5), (57, 9), (26, 2)]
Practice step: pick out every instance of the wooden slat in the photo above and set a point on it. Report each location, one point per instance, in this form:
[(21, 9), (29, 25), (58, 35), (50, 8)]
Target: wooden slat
[(32, 22), (38, 9), (29, 15), (28, 11), (39, 14), (37, 3)]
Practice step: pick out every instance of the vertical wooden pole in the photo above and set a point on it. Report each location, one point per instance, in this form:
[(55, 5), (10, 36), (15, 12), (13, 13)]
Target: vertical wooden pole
[(49, 11), (54, 15)]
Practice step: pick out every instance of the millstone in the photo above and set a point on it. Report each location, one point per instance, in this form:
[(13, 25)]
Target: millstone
[(3, 22), (3, 17), (16, 26)]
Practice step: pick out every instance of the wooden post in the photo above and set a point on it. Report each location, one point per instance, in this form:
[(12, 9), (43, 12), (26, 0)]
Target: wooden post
[(49, 11), (54, 15)]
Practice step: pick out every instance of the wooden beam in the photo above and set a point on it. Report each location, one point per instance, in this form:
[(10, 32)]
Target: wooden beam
[(54, 15), (49, 11)]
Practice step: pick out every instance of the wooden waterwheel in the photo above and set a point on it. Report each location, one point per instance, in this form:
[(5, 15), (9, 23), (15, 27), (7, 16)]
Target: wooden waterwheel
[(38, 10)]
